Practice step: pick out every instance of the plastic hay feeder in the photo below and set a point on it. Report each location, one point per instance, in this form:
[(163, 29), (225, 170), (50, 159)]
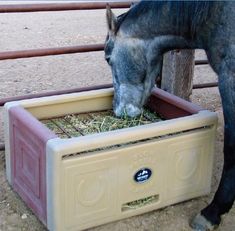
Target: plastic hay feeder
[(81, 182)]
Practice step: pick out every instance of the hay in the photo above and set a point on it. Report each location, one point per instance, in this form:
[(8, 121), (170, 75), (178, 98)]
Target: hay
[(96, 122), (140, 203)]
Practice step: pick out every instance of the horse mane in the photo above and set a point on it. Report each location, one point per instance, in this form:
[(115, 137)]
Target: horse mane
[(190, 13)]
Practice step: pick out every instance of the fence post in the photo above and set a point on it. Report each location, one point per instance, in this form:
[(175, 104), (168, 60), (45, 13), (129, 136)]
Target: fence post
[(177, 72)]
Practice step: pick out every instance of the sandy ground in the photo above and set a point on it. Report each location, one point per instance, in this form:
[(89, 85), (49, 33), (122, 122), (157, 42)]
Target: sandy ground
[(23, 76)]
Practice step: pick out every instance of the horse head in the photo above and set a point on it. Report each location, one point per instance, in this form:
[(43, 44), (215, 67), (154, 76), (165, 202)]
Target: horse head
[(130, 62)]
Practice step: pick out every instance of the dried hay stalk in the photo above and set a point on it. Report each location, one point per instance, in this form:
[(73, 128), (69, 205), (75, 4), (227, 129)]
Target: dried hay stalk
[(96, 122)]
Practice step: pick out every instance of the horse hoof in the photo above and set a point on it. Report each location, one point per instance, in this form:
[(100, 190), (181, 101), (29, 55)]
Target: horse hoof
[(200, 223)]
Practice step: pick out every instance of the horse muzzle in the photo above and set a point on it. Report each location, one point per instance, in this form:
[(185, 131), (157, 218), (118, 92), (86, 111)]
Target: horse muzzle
[(127, 110)]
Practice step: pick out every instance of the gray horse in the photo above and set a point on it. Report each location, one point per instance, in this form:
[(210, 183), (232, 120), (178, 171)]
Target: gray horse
[(134, 49)]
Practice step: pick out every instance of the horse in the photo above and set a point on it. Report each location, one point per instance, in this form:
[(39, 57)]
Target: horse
[(134, 49)]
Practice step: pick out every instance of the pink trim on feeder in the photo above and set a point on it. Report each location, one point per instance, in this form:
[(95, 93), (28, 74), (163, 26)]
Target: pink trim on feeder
[(28, 139)]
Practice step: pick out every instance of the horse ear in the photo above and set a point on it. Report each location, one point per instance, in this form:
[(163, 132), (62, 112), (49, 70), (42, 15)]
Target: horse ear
[(111, 20)]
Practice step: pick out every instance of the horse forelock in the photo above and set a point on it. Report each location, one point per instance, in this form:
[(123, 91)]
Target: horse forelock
[(120, 19), (135, 10)]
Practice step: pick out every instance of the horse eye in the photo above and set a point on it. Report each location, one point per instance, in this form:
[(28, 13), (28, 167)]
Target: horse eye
[(107, 59)]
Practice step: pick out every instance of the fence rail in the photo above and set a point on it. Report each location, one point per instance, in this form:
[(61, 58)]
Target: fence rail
[(51, 93), (50, 51), (16, 8), (60, 51), (74, 90)]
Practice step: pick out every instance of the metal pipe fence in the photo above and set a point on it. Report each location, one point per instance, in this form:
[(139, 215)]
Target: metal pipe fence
[(50, 51), (24, 8)]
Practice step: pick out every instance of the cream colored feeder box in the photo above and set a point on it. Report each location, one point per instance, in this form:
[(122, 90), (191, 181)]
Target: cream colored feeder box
[(81, 182)]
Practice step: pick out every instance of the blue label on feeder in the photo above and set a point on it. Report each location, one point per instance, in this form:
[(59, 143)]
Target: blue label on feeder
[(143, 175)]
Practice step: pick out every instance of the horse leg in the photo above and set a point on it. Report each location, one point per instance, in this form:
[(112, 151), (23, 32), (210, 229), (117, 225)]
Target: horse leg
[(210, 217)]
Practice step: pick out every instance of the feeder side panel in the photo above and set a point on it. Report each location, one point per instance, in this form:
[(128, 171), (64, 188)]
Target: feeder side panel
[(28, 139)]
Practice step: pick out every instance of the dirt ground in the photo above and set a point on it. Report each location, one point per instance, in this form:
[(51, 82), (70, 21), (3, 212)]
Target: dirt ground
[(23, 76)]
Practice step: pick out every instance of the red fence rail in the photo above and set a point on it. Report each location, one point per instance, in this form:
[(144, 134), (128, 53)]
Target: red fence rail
[(16, 8), (50, 51)]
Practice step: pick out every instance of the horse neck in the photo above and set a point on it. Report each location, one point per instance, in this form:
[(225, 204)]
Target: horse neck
[(148, 21)]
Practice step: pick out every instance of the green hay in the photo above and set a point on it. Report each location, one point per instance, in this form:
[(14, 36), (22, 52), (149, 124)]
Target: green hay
[(140, 203), (75, 125)]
